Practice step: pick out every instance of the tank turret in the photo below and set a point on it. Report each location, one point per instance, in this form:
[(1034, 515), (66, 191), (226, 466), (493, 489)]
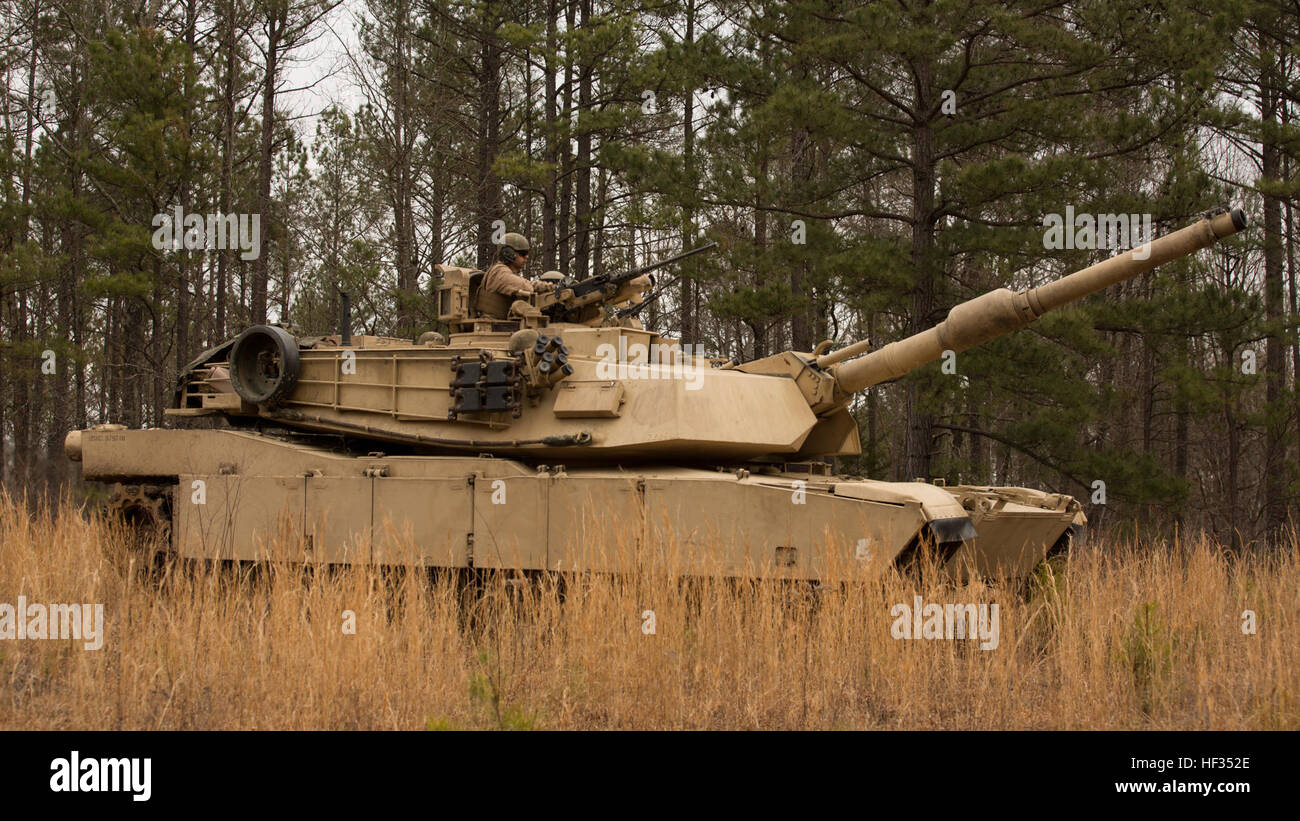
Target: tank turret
[(565, 377)]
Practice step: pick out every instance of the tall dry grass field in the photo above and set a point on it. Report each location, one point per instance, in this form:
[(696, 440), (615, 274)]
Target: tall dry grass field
[(1122, 636)]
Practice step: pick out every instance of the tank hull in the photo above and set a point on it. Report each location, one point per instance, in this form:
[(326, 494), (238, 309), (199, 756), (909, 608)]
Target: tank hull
[(236, 495)]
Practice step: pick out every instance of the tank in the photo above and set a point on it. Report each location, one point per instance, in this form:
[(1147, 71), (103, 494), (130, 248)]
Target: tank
[(567, 437)]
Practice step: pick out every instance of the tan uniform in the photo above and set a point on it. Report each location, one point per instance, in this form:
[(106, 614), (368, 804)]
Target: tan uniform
[(499, 279)]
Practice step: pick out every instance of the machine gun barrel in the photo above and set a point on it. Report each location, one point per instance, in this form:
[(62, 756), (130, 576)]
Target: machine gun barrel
[(595, 289), (663, 263), (1003, 311)]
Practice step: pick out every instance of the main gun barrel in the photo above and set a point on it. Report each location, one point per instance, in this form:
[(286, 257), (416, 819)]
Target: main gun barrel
[(1003, 311)]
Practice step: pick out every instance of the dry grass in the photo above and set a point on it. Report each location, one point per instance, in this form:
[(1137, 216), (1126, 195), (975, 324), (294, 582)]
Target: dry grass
[(1122, 637)]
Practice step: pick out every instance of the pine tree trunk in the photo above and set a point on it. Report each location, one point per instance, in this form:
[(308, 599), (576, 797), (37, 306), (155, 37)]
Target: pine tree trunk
[(1275, 363), (760, 254), (916, 452), (185, 259), (550, 139), (582, 197), (801, 331), (230, 51), (1295, 313), (686, 285), (566, 155), (266, 156), (598, 246), (403, 220), (489, 115)]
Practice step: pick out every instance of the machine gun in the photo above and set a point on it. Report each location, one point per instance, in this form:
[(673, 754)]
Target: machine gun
[(567, 301), (633, 310)]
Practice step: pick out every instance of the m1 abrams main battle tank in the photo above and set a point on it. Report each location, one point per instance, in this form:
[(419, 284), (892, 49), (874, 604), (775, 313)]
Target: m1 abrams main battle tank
[(556, 433)]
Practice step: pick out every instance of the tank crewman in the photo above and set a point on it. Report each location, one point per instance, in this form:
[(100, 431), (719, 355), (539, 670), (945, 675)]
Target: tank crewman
[(503, 276)]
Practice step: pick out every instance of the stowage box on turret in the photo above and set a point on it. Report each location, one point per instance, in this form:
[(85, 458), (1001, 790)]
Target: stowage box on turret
[(568, 437)]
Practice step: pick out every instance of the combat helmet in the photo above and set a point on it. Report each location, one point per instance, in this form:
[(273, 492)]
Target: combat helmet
[(512, 245)]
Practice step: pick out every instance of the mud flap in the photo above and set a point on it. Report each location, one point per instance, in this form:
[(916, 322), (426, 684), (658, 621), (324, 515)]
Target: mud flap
[(946, 535), (1075, 535)]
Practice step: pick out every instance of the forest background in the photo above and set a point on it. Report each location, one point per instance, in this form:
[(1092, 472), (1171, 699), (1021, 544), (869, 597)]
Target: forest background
[(864, 166)]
